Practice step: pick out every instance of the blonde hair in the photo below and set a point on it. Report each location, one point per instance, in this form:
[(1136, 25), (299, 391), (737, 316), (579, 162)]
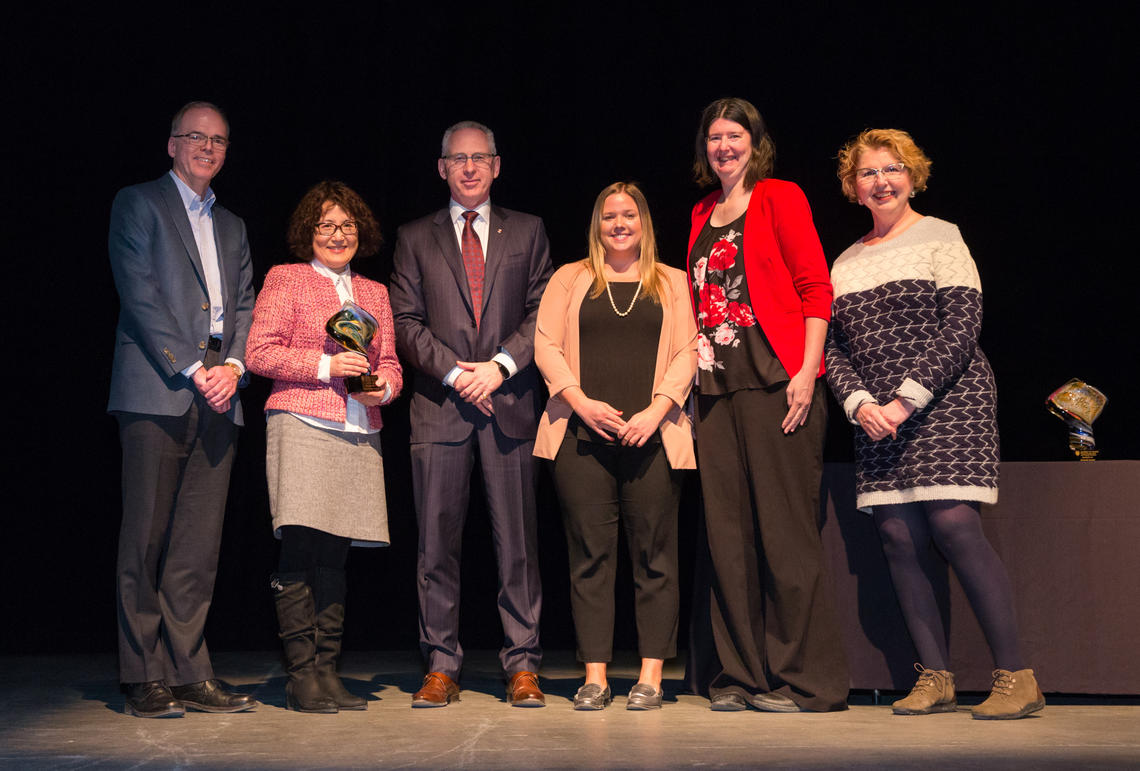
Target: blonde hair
[(898, 143), (596, 251)]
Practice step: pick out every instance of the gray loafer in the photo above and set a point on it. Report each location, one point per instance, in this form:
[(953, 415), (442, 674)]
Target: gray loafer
[(643, 696), (773, 702), (592, 696)]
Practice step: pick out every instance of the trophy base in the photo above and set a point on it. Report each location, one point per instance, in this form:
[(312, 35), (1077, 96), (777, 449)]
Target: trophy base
[(362, 384)]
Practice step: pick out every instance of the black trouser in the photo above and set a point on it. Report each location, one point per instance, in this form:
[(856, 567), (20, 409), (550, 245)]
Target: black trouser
[(773, 621), (599, 486), (176, 472)]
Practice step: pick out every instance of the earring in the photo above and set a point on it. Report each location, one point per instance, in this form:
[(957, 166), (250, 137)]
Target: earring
[(912, 194)]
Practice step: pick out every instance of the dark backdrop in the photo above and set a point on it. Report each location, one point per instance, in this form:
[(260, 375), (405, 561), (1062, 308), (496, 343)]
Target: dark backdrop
[(1018, 109)]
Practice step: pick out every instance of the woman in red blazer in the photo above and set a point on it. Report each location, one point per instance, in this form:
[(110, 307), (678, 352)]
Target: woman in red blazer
[(323, 458), (762, 298)]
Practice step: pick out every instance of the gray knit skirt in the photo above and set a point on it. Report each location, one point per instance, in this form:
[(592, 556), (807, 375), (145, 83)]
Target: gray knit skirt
[(331, 481)]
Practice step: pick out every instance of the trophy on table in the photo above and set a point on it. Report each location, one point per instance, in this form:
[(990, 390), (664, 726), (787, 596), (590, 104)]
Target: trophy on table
[(352, 328), (1078, 404)]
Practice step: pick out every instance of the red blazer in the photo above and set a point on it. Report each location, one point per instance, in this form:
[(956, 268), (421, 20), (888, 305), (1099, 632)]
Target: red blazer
[(784, 265), (288, 337)]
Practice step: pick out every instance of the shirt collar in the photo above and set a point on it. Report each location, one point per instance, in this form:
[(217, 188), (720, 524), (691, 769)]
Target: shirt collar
[(456, 210), (329, 273), (190, 199)]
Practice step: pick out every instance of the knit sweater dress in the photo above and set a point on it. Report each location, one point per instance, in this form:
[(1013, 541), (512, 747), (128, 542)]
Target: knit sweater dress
[(905, 323)]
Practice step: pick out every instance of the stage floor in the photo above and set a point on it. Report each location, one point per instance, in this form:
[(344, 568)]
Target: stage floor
[(66, 712)]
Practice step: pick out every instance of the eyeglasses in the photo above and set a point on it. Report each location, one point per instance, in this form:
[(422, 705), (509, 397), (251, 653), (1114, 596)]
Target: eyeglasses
[(891, 171), (198, 141), (348, 227), (460, 159)]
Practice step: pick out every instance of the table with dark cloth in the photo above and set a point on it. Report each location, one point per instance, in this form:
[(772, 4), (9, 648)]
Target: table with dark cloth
[(1068, 532)]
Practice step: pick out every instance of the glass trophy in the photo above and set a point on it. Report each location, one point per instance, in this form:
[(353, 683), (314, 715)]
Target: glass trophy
[(1078, 404), (352, 328)]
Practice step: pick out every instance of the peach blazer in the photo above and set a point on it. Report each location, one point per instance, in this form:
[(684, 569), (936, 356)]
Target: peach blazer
[(556, 353)]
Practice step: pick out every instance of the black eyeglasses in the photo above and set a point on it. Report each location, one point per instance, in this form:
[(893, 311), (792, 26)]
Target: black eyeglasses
[(197, 140), (348, 227)]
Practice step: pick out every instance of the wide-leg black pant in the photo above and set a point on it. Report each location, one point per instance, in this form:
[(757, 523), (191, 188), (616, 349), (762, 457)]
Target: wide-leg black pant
[(773, 622)]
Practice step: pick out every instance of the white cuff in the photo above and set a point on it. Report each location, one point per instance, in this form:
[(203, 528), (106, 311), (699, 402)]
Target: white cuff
[(914, 393), (853, 402), (505, 359)]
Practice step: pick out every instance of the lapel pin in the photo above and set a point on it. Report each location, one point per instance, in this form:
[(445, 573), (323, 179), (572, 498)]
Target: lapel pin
[(499, 231)]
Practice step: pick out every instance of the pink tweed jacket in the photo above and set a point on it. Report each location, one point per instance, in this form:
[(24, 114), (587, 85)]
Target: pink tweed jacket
[(288, 337)]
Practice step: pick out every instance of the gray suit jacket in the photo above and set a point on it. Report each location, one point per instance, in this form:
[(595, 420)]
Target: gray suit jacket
[(435, 323), (164, 308)]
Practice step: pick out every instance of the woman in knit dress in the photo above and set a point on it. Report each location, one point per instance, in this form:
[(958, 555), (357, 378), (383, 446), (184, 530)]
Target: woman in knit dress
[(323, 459), (616, 344), (763, 300), (903, 361)]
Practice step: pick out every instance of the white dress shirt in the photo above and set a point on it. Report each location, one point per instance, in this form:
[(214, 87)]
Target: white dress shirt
[(482, 227)]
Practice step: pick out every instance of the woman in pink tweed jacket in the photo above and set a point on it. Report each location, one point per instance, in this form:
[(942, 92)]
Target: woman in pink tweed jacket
[(290, 317), (323, 462)]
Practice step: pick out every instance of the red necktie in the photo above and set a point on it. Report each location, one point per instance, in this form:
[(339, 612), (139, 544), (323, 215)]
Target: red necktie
[(473, 262)]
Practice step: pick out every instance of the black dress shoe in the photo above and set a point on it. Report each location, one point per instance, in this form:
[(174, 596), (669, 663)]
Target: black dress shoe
[(773, 702), (208, 696), (728, 702), (151, 699)]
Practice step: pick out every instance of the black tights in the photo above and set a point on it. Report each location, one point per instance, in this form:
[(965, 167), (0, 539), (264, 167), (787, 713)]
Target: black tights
[(304, 549), (906, 530)]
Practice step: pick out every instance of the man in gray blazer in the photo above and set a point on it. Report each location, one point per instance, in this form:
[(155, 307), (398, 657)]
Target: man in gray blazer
[(182, 270), (465, 293)]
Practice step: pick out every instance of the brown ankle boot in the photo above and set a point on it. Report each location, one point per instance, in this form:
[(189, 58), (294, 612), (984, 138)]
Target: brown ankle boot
[(1014, 695), (934, 692)]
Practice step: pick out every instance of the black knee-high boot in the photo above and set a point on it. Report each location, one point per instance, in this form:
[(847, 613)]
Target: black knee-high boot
[(297, 625), (330, 591)]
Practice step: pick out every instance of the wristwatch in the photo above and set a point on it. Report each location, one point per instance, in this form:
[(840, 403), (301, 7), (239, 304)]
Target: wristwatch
[(506, 373)]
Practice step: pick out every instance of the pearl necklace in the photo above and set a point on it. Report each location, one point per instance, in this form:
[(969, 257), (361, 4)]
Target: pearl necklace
[(613, 305)]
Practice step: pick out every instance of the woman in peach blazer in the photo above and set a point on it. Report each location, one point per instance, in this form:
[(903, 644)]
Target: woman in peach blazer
[(616, 342)]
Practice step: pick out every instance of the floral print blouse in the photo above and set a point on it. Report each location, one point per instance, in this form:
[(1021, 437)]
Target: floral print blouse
[(732, 351)]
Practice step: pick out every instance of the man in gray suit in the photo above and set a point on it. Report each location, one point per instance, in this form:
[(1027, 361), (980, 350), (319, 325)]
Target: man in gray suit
[(182, 270), (465, 293)]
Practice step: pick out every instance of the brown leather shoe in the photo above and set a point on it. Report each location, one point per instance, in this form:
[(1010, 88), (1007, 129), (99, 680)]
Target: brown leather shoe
[(438, 690), (523, 690)]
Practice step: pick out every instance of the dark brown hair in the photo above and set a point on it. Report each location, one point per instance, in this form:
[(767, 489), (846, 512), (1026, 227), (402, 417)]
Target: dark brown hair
[(763, 157), (309, 211)]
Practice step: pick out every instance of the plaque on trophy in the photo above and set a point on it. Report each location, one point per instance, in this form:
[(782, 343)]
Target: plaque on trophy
[(352, 328), (1078, 404)]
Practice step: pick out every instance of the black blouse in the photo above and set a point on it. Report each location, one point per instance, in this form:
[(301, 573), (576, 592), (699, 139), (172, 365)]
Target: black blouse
[(617, 354)]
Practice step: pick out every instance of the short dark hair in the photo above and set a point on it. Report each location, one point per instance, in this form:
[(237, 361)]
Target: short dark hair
[(309, 211), (763, 158), (176, 121)]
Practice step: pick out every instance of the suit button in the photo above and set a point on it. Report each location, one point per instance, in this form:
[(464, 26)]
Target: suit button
[(202, 346), (205, 306)]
